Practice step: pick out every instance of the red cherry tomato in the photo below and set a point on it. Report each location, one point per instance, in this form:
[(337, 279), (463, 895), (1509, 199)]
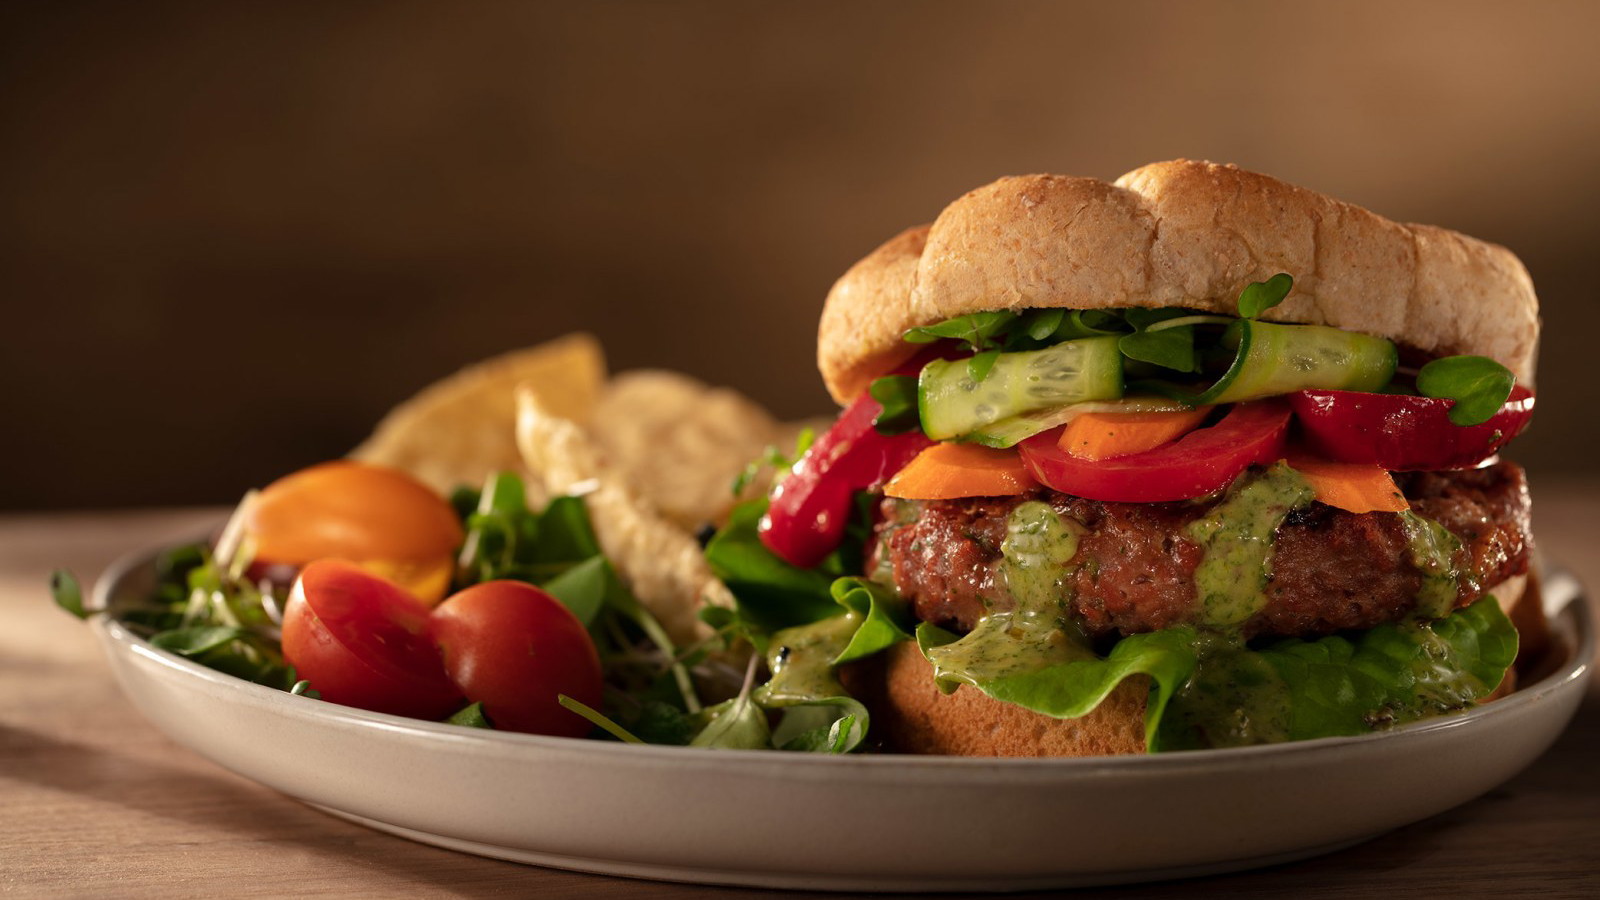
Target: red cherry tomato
[(1201, 462), (377, 517), (513, 648), (364, 642), (811, 506), (1404, 433)]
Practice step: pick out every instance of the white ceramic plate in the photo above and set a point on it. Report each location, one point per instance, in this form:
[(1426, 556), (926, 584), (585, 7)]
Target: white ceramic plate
[(859, 822)]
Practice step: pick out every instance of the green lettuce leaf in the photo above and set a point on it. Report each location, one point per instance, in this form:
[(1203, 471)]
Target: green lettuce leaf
[(885, 621), (1210, 691), (1068, 690)]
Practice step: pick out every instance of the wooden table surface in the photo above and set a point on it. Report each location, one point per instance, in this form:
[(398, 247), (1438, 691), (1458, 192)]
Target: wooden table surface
[(95, 802)]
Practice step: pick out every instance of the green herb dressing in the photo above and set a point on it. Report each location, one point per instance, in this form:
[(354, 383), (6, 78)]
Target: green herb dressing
[(1237, 538), (1433, 550), (1039, 552), (1234, 698), (801, 660)]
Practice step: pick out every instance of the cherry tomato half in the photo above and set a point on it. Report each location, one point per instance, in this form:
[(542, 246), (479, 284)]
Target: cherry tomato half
[(514, 648), (379, 518), (1201, 462), (364, 642), (1403, 433)]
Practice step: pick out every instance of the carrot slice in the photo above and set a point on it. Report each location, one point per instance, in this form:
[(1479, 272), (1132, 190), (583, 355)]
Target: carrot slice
[(1099, 435), (951, 471), (1354, 487)]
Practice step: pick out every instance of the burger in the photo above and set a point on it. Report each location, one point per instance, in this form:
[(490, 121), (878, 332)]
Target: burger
[(1195, 458)]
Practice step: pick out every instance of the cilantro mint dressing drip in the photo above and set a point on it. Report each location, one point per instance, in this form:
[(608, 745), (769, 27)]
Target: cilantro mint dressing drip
[(801, 659), (1442, 683), (1237, 538), (1038, 553), (1433, 551), (1234, 698)]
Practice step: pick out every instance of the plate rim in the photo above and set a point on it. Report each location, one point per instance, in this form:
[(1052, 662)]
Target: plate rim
[(117, 636)]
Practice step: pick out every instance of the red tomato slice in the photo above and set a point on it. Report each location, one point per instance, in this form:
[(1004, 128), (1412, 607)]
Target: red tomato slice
[(1405, 433), (811, 506), (514, 648), (1202, 462), (364, 642)]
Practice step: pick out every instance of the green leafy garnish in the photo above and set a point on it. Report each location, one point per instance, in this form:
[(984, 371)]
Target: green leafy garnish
[(885, 621), (1210, 690), (1170, 349), (897, 394), (1261, 296), (1478, 385), (67, 593), (472, 716), (775, 458), (977, 330), (302, 688), (981, 364), (598, 719), (772, 593), (505, 539), (196, 640)]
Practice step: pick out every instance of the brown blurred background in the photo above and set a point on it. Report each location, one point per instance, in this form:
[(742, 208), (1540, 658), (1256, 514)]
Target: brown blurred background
[(231, 236)]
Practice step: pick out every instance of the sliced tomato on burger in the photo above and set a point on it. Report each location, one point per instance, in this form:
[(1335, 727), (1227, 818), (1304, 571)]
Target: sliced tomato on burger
[(1202, 462), (1403, 433)]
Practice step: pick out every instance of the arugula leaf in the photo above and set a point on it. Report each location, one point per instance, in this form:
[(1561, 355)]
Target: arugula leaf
[(67, 593), (817, 729), (505, 539), (980, 365), (1041, 324), (775, 458), (772, 594), (977, 330), (586, 588), (1478, 385), (196, 640), (897, 394), (656, 722), (739, 724), (1261, 296), (470, 716), (1172, 348)]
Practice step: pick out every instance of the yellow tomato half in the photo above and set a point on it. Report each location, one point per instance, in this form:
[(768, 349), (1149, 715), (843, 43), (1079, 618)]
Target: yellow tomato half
[(378, 518)]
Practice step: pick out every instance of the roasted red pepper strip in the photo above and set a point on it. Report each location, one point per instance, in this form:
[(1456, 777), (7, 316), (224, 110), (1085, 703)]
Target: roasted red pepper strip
[(811, 506), (1202, 462), (1402, 433)]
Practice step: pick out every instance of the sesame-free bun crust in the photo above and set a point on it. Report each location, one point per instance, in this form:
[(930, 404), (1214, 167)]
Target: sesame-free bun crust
[(1182, 233), (914, 716)]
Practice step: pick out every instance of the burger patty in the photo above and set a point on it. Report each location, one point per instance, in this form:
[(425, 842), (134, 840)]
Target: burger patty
[(1134, 571)]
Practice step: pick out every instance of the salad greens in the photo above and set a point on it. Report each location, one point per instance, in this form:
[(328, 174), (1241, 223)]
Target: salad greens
[(1479, 386)]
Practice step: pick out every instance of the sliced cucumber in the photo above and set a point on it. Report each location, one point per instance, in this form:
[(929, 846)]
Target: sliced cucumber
[(953, 405), (1012, 431), (1280, 359)]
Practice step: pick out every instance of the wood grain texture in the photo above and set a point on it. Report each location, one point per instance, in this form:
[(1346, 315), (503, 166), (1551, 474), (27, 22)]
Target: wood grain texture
[(95, 802)]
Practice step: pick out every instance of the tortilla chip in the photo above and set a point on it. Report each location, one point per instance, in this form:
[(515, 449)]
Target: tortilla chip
[(660, 562), (681, 442), (459, 430)]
